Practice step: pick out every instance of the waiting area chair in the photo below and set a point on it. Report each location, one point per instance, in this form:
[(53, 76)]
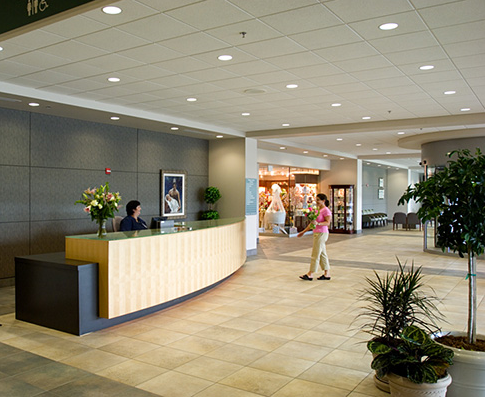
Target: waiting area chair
[(399, 218), (412, 220), (116, 223)]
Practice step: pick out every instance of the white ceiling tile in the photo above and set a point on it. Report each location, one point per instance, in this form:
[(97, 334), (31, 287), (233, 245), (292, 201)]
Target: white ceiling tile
[(272, 47), (238, 56), (48, 77), (470, 73), (35, 40), (131, 10), (83, 85), (409, 41), (167, 4), (439, 66), (145, 72), (420, 56), (325, 69), (112, 40), (17, 69), (343, 88), (183, 65), (156, 28), (454, 13), (200, 88), (237, 83), (210, 74), (445, 76), (329, 37), (460, 33), (465, 48), (151, 53), (272, 77), (112, 62), (78, 70), (341, 78), (296, 60), (470, 61), (302, 19), (368, 63), (250, 68), (255, 31), (364, 9), (409, 22), (39, 59), (386, 73), (174, 80), (430, 3), (216, 13), (61, 89), (346, 51), (389, 82), (260, 8), (196, 43), (73, 27), (74, 50)]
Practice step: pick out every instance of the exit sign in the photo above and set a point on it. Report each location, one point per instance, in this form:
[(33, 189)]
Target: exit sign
[(16, 15)]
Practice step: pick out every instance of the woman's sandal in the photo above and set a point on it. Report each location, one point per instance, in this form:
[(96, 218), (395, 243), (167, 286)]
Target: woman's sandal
[(323, 277), (305, 277)]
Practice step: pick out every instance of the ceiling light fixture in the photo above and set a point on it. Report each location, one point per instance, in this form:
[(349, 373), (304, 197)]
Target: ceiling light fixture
[(305, 151), (335, 105), (388, 26), (282, 147), (111, 10), (366, 118), (426, 67), (465, 109), (219, 136), (1, 48), (285, 125), (113, 79), (339, 139), (224, 57), (292, 86), (449, 92), (374, 148), (341, 158), (191, 99), (358, 144), (388, 153), (325, 155), (174, 128), (34, 104), (245, 114), (114, 118), (401, 133)]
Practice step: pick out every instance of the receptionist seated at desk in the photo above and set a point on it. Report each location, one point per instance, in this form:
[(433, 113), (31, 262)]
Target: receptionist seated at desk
[(133, 221)]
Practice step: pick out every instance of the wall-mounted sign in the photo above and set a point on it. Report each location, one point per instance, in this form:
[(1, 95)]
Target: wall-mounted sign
[(17, 14), (251, 196)]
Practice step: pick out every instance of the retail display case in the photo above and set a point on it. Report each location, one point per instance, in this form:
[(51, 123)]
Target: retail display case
[(342, 207)]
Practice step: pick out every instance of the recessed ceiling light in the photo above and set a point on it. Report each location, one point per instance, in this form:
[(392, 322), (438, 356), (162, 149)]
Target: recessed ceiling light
[(285, 125), (401, 133), (388, 26), (245, 114), (191, 99), (219, 136), (449, 92), (174, 128), (368, 163), (224, 57), (1, 48), (388, 153), (113, 79), (34, 104), (374, 148), (366, 118), (341, 158), (426, 67), (378, 165), (114, 118), (358, 144), (336, 105), (305, 151), (465, 109), (339, 139), (111, 10), (282, 147), (325, 155), (292, 86)]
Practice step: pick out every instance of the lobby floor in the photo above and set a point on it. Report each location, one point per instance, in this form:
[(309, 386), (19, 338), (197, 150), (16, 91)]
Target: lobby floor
[(263, 332)]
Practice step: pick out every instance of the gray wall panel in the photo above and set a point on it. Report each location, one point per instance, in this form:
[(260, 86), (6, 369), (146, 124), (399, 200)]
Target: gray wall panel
[(14, 137), (14, 242), (14, 195), (68, 143)]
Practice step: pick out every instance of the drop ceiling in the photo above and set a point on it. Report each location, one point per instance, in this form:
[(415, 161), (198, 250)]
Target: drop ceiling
[(165, 51)]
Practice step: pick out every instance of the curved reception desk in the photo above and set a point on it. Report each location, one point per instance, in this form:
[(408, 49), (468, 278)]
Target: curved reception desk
[(137, 273)]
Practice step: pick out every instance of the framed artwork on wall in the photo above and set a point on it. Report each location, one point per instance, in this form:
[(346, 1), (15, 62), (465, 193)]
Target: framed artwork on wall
[(173, 188)]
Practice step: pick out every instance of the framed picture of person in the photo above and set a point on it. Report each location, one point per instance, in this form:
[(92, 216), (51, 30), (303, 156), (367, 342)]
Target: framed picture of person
[(172, 194)]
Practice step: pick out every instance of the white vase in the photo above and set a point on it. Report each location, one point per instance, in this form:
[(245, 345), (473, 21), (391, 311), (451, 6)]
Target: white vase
[(468, 371), (402, 387)]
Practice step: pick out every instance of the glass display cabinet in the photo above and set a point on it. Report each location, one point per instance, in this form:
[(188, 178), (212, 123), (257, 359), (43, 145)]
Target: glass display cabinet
[(342, 207)]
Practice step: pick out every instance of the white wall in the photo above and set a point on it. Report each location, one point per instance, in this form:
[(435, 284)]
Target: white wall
[(292, 160), (398, 182), (252, 171)]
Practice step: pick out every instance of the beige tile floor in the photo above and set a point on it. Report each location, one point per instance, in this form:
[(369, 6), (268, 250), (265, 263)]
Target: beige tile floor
[(263, 332)]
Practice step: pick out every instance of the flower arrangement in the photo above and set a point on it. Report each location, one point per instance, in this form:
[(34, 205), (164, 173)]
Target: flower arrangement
[(100, 203), (312, 214)]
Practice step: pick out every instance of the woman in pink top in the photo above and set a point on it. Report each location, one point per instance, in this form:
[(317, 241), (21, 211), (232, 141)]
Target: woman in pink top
[(320, 237)]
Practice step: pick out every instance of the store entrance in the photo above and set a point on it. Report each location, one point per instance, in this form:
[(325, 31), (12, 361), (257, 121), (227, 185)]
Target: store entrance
[(297, 191)]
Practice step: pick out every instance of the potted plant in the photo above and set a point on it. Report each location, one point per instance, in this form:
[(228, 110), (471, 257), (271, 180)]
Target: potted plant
[(211, 196), (455, 197), (414, 364), (393, 302)]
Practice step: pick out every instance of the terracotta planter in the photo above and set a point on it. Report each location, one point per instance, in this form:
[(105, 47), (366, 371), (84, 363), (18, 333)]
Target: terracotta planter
[(402, 387), (468, 370)]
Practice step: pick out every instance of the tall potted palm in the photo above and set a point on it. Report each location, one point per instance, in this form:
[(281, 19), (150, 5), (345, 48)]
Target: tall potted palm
[(455, 197)]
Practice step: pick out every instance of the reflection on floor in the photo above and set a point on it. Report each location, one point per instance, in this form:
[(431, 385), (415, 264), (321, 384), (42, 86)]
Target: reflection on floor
[(263, 332)]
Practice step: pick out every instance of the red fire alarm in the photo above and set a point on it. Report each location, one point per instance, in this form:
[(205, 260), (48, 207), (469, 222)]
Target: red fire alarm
[(107, 171)]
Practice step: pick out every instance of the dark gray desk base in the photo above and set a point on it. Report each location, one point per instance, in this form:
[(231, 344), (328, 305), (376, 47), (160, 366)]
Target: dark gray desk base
[(62, 294)]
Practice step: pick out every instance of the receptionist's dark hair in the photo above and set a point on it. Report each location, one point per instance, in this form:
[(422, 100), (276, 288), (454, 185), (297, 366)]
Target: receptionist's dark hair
[(324, 198), (131, 207)]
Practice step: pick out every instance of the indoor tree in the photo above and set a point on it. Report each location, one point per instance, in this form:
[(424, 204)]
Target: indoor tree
[(455, 197)]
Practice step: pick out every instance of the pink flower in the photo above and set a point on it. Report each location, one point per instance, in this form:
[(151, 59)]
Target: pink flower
[(87, 209)]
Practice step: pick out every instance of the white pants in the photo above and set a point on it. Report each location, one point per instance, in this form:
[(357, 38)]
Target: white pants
[(319, 253)]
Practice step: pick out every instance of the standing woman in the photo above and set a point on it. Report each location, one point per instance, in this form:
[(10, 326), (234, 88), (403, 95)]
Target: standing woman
[(320, 237)]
